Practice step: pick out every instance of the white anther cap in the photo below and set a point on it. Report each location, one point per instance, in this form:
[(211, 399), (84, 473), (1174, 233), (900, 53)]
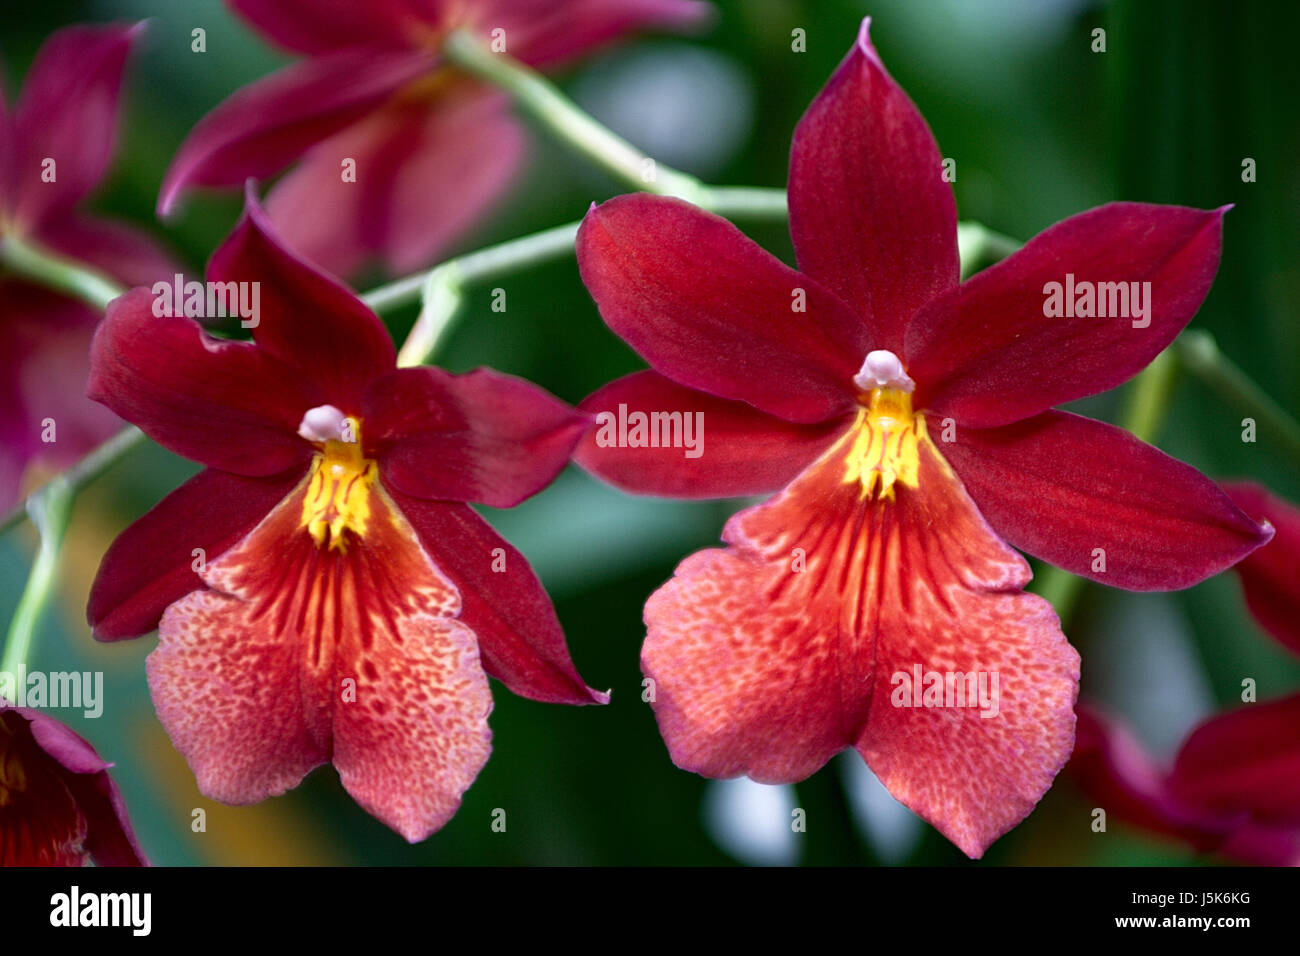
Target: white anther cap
[(322, 423), (882, 369)]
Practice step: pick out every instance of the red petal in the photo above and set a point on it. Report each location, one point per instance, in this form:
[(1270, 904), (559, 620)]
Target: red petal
[(542, 32), (319, 26), (40, 824), (424, 177), (1270, 577), (299, 655), (709, 308), (118, 249), (67, 112), (520, 638), (987, 355), (1060, 487), (482, 436), (1115, 771), (44, 349), (1246, 761), (870, 213), (307, 319), (109, 838), (736, 449), (265, 126), (223, 403), (765, 669), (151, 564)]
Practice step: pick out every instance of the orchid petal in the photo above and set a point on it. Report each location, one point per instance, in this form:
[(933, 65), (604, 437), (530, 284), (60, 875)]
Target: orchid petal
[(1246, 761), (738, 450), (989, 353), (520, 638), (263, 127), (1270, 577), (44, 346), (154, 562), (871, 215), (223, 403), (306, 319), (322, 26), (400, 209), (1094, 500), (771, 656), (297, 655), (710, 309), (482, 436), (67, 114), (543, 33)]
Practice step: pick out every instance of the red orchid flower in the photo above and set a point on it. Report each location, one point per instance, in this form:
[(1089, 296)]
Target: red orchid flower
[(1234, 788), (1270, 578), (54, 149), (58, 805), (432, 149), (906, 421), (322, 592)]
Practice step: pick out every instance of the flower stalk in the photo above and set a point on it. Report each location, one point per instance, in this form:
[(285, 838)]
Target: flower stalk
[(55, 272), (441, 289), (1200, 355), (50, 510), (545, 103), (979, 247)]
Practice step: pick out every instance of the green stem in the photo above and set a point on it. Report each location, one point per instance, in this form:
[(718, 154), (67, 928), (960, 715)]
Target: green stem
[(1200, 355), (96, 462), (441, 289), (979, 247), (50, 510), (540, 98), (759, 203), (1148, 405), (55, 272)]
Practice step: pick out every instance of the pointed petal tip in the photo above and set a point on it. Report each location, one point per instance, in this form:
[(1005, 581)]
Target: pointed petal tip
[(166, 203), (864, 45)]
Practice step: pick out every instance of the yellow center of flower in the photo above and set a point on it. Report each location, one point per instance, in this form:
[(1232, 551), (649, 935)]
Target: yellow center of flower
[(13, 779), (886, 444), (341, 481)]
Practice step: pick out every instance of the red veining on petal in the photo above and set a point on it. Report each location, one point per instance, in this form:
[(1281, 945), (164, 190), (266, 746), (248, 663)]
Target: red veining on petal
[(301, 654), (771, 656)]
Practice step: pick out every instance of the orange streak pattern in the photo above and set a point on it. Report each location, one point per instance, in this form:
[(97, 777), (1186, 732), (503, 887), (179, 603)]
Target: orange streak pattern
[(778, 652), (300, 655)]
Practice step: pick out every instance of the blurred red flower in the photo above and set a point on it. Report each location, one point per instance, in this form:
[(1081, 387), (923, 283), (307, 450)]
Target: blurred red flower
[(432, 148), (55, 147), (1234, 788), (58, 805)]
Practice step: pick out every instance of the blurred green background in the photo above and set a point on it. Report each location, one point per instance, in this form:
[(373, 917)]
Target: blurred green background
[(1041, 127)]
